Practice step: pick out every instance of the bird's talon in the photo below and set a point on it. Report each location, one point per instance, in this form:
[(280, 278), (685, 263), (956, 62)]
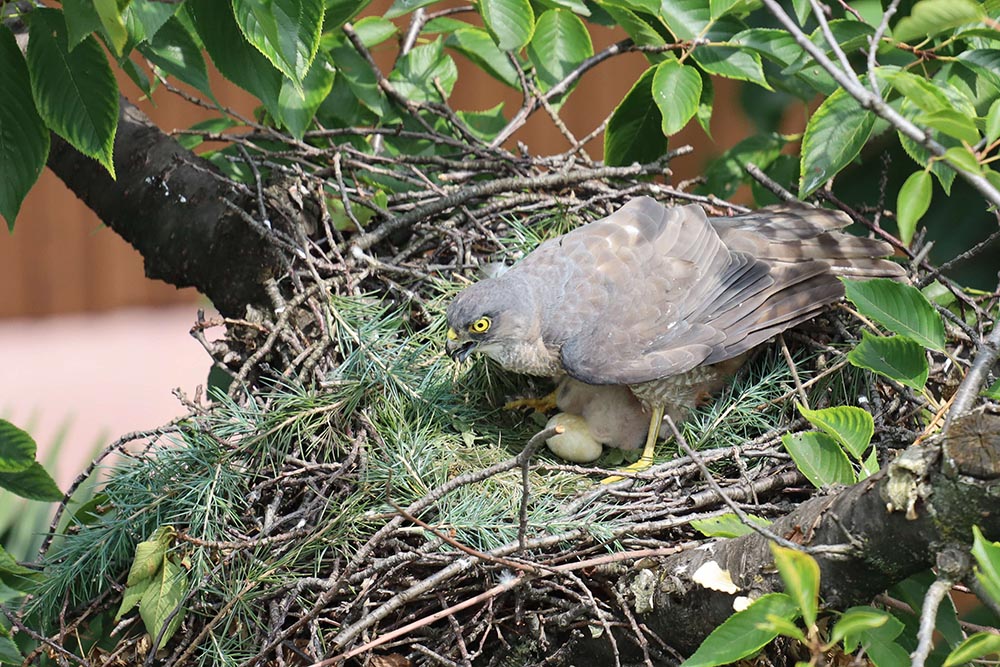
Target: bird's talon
[(644, 463), (542, 404)]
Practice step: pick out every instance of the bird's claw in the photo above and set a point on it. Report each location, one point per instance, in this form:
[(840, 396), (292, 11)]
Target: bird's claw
[(541, 404), (644, 463)]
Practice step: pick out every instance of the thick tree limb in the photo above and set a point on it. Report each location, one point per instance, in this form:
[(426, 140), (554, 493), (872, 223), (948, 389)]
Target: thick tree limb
[(169, 205), (927, 500)]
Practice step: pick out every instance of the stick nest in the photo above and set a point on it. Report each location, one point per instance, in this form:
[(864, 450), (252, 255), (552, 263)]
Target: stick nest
[(354, 493)]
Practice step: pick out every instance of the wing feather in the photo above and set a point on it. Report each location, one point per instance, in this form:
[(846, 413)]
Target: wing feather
[(649, 291)]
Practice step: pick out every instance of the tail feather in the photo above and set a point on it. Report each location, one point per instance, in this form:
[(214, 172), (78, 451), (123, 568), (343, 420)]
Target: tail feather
[(806, 252)]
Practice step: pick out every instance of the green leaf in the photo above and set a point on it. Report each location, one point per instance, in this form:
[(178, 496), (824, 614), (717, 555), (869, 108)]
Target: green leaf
[(951, 123), (149, 556), (834, 136), (33, 483), (373, 30), (922, 156), (17, 448), (800, 572), (783, 627), (776, 45), (16, 576), (10, 566), (149, 16), (298, 105), (76, 93), (819, 458), (987, 555), (727, 525), (975, 647), (912, 202), (477, 45), (728, 171), (739, 636), (131, 596), (285, 31), (633, 133), (731, 62), (359, 77), (339, 12), (983, 62), (217, 125), (676, 90), (9, 653), (993, 392), (803, 8), (933, 17), (869, 466), (560, 43), (484, 124), (962, 158), (896, 357), (705, 104), (114, 24), (24, 144), (162, 597), (723, 7), (416, 72), (856, 620), (235, 59), (576, 6), (902, 309), (81, 20), (880, 645), (640, 30), (138, 76), (174, 51), (686, 19), (511, 22), (850, 426), (993, 123), (401, 7)]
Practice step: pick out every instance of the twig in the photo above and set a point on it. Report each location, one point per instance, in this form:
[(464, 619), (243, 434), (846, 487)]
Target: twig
[(936, 592), (737, 510), (976, 377), (776, 188)]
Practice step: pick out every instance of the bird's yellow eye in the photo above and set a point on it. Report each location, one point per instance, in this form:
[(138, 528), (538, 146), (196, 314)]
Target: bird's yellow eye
[(482, 325)]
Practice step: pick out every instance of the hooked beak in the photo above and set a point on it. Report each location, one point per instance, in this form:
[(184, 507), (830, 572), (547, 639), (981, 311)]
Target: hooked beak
[(457, 350)]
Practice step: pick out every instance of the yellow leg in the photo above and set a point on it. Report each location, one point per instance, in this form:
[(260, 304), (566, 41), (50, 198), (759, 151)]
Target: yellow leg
[(646, 460), (544, 404)]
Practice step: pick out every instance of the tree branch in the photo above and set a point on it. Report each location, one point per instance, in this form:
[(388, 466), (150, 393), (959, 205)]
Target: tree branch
[(169, 205), (925, 501)]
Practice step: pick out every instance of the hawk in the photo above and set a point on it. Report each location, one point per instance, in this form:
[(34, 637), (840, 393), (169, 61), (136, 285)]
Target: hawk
[(661, 303)]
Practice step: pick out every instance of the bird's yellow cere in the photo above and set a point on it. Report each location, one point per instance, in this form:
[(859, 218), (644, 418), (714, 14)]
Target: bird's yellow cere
[(452, 334)]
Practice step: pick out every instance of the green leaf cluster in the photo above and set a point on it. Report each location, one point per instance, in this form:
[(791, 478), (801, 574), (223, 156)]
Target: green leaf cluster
[(825, 456), (310, 63), (158, 583), (904, 311), (878, 634)]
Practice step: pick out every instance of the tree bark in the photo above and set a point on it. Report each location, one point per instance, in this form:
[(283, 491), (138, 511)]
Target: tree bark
[(926, 500), (168, 204)]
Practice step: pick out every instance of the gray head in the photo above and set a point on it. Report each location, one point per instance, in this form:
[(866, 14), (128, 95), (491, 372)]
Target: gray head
[(495, 317)]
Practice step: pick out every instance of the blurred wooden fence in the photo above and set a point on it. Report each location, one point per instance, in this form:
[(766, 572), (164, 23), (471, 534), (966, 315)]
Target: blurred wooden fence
[(61, 259)]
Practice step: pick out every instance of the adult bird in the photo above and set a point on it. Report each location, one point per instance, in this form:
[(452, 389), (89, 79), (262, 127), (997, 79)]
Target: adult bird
[(663, 301)]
